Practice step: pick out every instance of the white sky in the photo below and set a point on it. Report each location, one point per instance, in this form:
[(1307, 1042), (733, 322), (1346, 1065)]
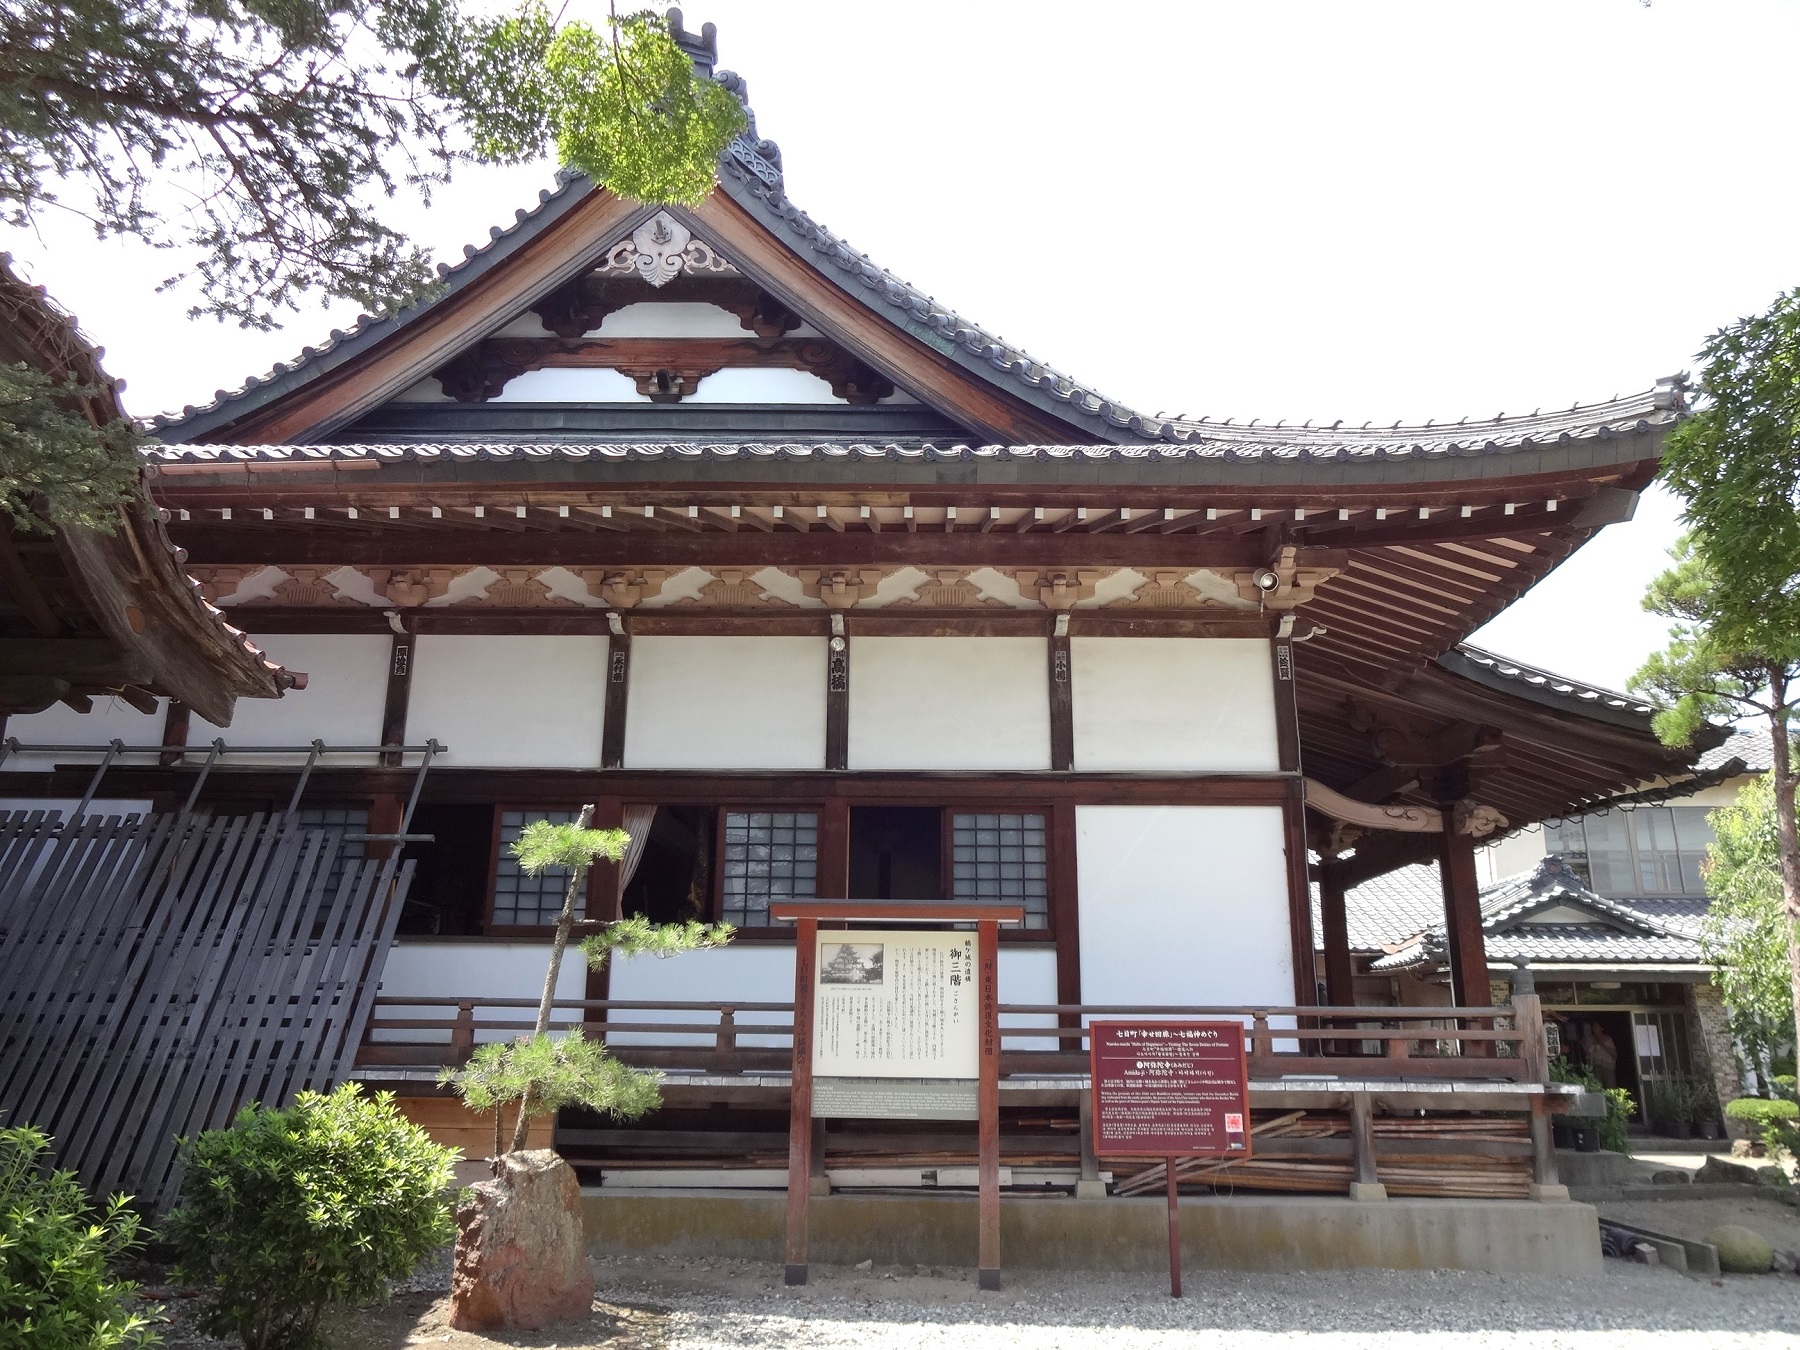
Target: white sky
[(1269, 209)]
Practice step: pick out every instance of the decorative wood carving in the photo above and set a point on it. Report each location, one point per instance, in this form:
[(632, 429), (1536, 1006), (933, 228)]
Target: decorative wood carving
[(733, 588), (947, 588), (661, 249), (1297, 585), (412, 587), (579, 307), (1370, 815), (519, 588), (1059, 590), (664, 369), (218, 582), (1166, 590), (840, 589), (1476, 820), (624, 590), (308, 586)]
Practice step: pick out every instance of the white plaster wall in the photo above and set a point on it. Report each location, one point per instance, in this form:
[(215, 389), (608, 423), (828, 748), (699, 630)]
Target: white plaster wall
[(1173, 703), (726, 703), (1183, 905), (570, 386), (750, 972), (740, 384), (949, 703), (111, 719), (1028, 975), (346, 686), (533, 701), (474, 968)]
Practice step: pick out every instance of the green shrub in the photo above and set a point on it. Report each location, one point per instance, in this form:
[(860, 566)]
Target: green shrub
[(1620, 1108), (56, 1289), (1776, 1122), (291, 1211)]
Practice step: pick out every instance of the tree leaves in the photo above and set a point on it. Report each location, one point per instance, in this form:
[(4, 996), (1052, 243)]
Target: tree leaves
[(637, 936), (1746, 931), (549, 1074), (56, 467), (543, 846)]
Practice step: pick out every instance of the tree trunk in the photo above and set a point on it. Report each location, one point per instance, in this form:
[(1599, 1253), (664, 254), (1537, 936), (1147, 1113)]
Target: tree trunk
[(1781, 761), (565, 924)]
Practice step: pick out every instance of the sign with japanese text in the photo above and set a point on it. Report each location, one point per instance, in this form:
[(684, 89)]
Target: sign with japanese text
[(1170, 1089), (896, 1005)]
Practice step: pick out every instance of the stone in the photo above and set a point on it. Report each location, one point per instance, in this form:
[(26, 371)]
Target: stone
[(1741, 1250), (1672, 1176), (1772, 1176), (521, 1252), (1716, 1169), (865, 1265), (1785, 1263)]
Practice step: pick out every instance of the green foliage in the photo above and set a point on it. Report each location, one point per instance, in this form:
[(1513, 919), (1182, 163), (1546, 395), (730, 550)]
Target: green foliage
[(553, 1074), (1746, 931), (291, 1211), (542, 847), (624, 105), (1736, 462), (266, 133), (639, 937), (1776, 1122), (1621, 1110), (1710, 672), (56, 1289), (57, 467)]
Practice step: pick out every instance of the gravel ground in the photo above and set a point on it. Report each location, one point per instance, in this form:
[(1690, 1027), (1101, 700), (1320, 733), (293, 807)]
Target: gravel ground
[(723, 1305)]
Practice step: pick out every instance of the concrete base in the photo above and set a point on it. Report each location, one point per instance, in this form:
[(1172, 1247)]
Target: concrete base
[(1548, 1195), (1272, 1233), (1371, 1190), (1090, 1190)]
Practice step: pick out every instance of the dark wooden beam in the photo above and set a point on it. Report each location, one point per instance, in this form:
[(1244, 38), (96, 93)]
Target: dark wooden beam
[(1287, 714), (1334, 929), (1062, 702), (176, 720), (834, 850), (1462, 917), (1065, 904), (837, 701), (618, 698), (1293, 820), (399, 695)]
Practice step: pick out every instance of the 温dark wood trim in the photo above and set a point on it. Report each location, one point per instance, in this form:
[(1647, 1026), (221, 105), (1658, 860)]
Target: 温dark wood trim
[(1062, 704), (618, 699), (834, 850), (1287, 706), (385, 813), (402, 656), (1065, 903), (1334, 928), (1293, 820), (837, 703), (1462, 919), (177, 720)]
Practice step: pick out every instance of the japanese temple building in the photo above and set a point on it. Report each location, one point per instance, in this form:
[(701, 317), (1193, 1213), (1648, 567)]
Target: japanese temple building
[(819, 588)]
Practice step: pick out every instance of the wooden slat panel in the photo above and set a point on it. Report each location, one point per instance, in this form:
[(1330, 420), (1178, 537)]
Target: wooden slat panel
[(158, 972)]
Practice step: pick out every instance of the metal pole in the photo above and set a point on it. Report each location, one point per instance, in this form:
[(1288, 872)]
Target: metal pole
[(112, 753), (318, 748), (218, 747)]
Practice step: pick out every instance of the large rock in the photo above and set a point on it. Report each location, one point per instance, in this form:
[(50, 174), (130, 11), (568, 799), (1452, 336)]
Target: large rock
[(1741, 1251), (521, 1254), (1717, 1169)]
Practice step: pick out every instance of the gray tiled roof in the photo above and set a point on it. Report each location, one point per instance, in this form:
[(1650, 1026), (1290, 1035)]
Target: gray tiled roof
[(1584, 696), (1389, 909), (1621, 931), (1753, 747), (750, 172)]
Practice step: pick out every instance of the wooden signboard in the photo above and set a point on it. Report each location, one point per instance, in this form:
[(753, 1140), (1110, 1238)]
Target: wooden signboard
[(1170, 1090)]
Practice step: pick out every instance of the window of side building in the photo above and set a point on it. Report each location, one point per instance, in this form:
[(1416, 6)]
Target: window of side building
[(1650, 850)]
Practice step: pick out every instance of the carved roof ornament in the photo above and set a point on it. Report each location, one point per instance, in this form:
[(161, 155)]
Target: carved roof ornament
[(1294, 585), (1059, 590), (661, 249), (1476, 820), (841, 589), (413, 587), (626, 590)]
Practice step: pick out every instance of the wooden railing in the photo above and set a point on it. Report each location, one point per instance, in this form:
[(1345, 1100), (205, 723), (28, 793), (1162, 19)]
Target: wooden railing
[(1418, 1042)]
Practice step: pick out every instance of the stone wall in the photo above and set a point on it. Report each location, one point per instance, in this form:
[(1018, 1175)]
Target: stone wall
[(1709, 1032)]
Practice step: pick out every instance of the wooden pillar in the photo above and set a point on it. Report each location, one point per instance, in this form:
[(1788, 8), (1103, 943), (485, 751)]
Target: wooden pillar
[(1293, 814), (1368, 1185), (618, 689), (1062, 699), (1462, 918), (603, 901), (1065, 907), (1334, 924), (399, 695), (1287, 706), (800, 1123), (385, 812), (834, 851), (987, 1109), (837, 697)]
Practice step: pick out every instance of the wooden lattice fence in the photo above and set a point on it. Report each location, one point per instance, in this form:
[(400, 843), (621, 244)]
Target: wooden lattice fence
[(156, 972)]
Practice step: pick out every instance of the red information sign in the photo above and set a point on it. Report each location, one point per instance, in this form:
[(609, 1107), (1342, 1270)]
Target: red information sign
[(1169, 1089)]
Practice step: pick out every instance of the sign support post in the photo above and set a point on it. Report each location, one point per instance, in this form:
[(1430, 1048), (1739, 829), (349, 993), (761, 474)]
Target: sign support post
[(800, 1123), (984, 967), (1170, 1090), (987, 960)]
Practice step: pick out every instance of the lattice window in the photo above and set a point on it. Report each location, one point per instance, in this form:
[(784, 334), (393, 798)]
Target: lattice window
[(1002, 856), (769, 856), (522, 901)]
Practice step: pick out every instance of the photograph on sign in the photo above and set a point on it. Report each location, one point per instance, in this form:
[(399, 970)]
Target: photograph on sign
[(896, 1005), (1170, 1089)]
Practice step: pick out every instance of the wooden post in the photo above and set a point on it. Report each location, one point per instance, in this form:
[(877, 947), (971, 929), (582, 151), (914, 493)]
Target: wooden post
[(385, 814), (1062, 699), (1174, 1227), (1340, 974), (399, 696), (1462, 920), (987, 958), (462, 1034), (1545, 1185), (1088, 1185), (837, 696), (1367, 1185), (618, 690), (1534, 1053), (800, 1131), (176, 719)]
